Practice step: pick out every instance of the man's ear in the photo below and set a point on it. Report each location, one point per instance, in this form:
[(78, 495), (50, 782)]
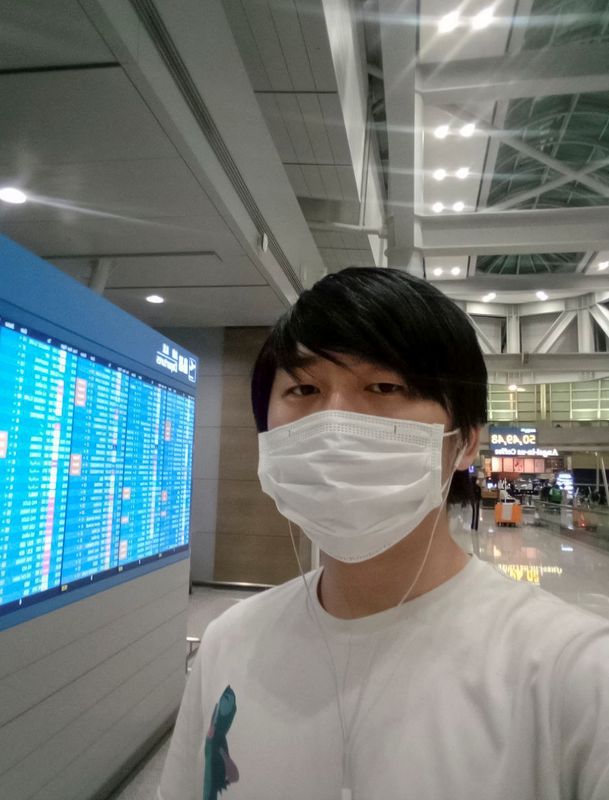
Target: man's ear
[(472, 447)]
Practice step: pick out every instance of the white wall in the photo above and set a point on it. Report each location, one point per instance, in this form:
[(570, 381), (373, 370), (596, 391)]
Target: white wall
[(86, 689)]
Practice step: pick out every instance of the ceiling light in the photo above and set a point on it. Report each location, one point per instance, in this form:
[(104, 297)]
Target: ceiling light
[(11, 195), (488, 297), (455, 270), (512, 387), (483, 19), (541, 295), (462, 172), (602, 265), (441, 132), (521, 389), (155, 298), (440, 174), (468, 129), (438, 271), (448, 22), (437, 207), (458, 206)]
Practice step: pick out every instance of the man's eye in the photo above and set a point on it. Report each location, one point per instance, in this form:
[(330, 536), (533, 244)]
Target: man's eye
[(302, 389), (385, 388)]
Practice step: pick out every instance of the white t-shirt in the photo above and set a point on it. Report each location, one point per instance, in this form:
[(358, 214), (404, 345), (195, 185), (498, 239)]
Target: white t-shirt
[(482, 689)]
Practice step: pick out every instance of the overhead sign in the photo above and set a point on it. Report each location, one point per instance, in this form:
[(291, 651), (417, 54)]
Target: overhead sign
[(517, 441), (170, 359)]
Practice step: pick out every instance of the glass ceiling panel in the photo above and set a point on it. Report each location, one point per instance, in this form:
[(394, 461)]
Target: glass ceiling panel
[(534, 264), (573, 129)]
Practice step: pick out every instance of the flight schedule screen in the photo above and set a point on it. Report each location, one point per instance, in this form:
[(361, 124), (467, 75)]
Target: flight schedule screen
[(95, 467)]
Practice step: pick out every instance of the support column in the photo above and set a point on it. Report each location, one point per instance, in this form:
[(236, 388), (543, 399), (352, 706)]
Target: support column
[(585, 332), (399, 48), (513, 330), (100, 272)]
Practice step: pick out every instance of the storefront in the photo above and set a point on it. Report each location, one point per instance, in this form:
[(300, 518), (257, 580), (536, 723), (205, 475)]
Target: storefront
[(516, 460)]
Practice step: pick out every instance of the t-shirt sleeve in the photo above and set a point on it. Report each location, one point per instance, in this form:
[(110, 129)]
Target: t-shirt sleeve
[(182, 776), (583, 712)]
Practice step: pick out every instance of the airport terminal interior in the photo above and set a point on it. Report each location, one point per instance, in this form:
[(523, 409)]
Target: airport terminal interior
[(173, 175)]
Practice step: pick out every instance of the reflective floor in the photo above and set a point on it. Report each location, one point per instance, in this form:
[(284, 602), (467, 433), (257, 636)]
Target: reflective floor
[(575, 570)]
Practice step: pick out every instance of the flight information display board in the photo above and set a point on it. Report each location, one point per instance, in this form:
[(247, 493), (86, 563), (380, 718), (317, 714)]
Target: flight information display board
[(95, 467)]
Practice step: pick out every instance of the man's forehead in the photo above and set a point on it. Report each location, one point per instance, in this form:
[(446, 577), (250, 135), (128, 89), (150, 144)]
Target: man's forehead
[(308, 359)]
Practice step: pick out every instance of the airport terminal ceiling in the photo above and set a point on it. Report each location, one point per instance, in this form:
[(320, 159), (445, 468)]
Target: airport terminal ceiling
[(225, 161)]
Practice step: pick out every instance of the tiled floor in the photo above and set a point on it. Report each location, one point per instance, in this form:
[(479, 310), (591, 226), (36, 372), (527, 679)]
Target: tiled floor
[(570, 568)]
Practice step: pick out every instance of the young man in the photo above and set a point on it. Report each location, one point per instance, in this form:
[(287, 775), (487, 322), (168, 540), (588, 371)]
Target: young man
[(402, 668)]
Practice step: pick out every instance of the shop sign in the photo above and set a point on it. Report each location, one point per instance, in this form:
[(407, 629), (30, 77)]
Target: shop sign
[(520, 442)]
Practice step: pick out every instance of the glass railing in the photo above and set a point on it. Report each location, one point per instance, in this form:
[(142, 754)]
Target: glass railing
[(591, 522)]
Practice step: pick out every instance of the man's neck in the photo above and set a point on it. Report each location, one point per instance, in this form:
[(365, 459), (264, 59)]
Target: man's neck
[(349, 591)]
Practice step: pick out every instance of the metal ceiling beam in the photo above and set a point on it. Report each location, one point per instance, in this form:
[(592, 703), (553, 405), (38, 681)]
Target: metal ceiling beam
[(399, 50), (488, 348), (546, 367), (549, 362), (485, 129), (568, 69), (564, 230), (529, 194), (555, 331), (515, 43), (601, 316), (585, 261)]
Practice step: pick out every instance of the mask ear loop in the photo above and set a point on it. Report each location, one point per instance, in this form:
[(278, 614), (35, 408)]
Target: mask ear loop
[(445, 488), (345, 791)]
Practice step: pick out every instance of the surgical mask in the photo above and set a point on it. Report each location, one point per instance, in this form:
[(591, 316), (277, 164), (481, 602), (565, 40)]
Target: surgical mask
[(356, 484)]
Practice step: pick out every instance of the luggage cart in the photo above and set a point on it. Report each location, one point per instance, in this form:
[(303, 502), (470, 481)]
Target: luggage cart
[(508, 514)]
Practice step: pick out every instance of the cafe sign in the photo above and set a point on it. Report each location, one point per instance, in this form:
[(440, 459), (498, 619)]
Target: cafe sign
[(517, 441)]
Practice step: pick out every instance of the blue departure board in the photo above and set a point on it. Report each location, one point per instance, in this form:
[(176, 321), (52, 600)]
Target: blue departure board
[(95, 467)]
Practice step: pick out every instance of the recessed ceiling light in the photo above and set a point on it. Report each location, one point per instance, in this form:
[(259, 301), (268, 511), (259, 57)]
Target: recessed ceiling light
[(541, 295), (602, 265), (438, 271), (155, 298), (482, 19), (12, 195), (437, 207), (455, 270), (512, 387), (458, 206), (448, 22), (439, 174), (441, 132), (468, 129), (488, 297), (462, 172)]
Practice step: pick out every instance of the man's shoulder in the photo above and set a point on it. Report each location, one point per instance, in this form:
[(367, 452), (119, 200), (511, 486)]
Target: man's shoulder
[(263, 609), (519, 607)]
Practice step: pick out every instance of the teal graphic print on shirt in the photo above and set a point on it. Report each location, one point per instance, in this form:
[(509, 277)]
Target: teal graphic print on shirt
[(220, 769)]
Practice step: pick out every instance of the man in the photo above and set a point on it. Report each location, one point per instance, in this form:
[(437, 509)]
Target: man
[(402, 668)]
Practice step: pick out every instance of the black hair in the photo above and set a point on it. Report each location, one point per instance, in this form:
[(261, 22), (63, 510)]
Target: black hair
[(391, 319)]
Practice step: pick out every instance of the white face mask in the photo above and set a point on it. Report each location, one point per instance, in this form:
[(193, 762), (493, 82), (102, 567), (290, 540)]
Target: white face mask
[(355, 483)]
